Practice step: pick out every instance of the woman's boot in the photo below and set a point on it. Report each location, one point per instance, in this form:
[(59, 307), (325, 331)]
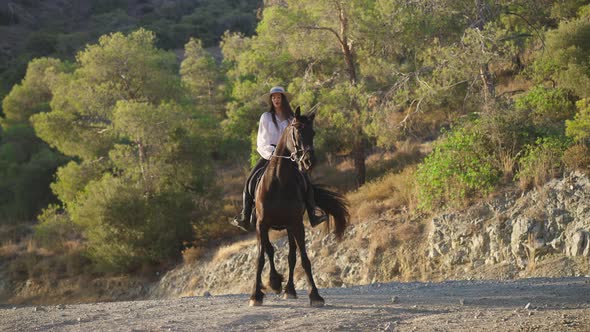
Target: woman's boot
[(242, 220)]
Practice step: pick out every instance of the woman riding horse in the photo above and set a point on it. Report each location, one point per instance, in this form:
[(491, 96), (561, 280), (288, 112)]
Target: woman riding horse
[(281, 199), (270, 128)]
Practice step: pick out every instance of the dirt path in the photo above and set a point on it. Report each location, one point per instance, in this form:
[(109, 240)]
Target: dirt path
[(523, 305)]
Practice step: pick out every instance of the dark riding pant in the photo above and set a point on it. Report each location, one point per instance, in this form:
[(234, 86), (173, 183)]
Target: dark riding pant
[(250, 187)]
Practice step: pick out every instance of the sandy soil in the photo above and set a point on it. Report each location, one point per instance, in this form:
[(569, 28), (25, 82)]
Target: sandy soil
[(524, 305)]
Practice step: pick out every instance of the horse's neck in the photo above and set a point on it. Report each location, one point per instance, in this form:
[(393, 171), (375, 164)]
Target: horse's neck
[(280, 168)]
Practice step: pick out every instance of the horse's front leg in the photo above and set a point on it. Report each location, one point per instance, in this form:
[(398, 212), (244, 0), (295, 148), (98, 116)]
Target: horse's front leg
[(290, 292), (257, 294), (315, 300), (275, 279)]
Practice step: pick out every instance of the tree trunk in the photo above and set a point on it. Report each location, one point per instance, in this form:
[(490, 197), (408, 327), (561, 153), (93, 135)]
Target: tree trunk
[(359, 155), (358, 149), (143, 166), (489, 90)]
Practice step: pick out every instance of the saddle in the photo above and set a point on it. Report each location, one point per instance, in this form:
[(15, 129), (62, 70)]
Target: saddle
[(253, 184), (255, 180)]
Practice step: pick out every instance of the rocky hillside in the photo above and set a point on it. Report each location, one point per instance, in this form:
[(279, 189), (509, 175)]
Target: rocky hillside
[(544, 232)]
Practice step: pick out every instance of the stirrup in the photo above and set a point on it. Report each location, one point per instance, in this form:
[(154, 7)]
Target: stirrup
[(239, 224)]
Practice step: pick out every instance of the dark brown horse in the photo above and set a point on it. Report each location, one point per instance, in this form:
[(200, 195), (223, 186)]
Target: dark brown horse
[(280, 204)]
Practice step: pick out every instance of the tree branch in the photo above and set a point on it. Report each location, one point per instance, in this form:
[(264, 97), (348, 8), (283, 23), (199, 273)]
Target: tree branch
[(531, 26), (309, 27)]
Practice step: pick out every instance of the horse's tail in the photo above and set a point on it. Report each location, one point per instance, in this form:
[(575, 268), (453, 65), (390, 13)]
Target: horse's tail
[(333, 204)]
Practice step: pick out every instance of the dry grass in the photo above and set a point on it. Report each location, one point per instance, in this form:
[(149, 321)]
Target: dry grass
[(26, 259), (369, 209), (394, 191), (225, 252), (28, 245), (275, 235), (577, 157), (507, 162), (408, 231), (9, 249), (394, 251), (338, 170), (192, 254)]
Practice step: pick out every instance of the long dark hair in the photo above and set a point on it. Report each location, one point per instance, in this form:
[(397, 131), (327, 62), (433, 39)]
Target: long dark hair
[(284, 105)]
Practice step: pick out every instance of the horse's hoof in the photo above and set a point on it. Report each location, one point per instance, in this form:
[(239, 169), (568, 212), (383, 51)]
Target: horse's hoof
[(288, 296), (255, 303), (316, 303)]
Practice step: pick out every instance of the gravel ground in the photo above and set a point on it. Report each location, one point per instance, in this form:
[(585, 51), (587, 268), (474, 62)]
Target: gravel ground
[(542, 304)]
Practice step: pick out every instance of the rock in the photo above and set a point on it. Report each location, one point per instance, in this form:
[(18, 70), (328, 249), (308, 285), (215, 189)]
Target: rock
[(554, 219), (579, 244), (206, 294)]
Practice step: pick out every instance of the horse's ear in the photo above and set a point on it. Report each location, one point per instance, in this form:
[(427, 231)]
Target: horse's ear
[(298, 112)]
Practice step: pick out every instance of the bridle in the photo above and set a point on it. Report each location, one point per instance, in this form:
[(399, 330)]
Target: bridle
[(299, 153)]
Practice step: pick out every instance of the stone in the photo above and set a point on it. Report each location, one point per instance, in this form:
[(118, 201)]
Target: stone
[(578, 244)]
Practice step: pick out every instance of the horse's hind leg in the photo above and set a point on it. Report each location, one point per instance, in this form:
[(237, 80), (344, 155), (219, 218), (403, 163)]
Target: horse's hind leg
[(275, 279), (257, 294), (315, 300), (290, 292)]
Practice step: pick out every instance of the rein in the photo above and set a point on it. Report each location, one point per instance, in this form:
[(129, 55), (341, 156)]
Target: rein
[(293, 156)]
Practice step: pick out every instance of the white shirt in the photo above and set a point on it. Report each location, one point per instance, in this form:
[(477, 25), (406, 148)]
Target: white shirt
[(269, 134)]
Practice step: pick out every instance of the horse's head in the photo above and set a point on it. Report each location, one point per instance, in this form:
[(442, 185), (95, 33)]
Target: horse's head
[(300, 140)]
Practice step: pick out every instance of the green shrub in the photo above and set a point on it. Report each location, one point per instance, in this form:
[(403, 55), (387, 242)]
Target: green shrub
[(542, 161), (460, 167), (126, 227), (55, 229), (546, 108), (579, 128)]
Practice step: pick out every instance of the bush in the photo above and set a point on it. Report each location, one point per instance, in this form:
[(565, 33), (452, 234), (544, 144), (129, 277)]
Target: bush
[(579, 128), (127, 228), (577, 157), (546, 108), (542, 161), (460, 166), (55, 229)]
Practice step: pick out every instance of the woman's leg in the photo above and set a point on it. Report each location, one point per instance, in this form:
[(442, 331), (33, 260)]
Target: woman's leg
[(314, 219), (242, 220)]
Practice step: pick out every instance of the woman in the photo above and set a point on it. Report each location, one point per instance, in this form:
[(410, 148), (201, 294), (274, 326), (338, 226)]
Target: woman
[(270, 128)]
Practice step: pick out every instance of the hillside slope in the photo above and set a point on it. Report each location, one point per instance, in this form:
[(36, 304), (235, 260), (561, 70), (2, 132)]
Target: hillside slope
[(490, 240)]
